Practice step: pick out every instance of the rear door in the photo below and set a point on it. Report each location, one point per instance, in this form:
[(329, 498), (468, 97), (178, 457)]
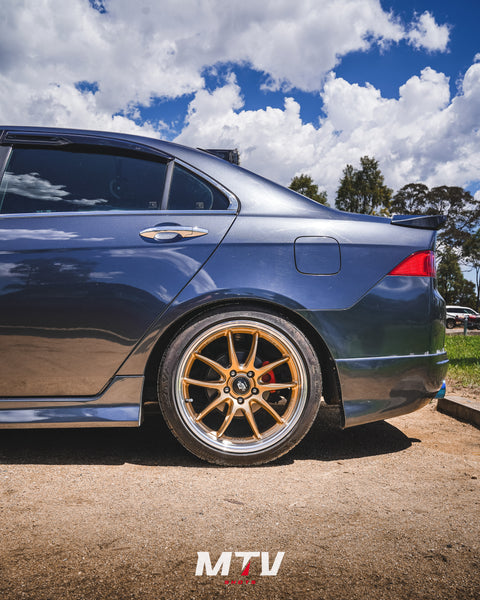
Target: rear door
[(95, 242)]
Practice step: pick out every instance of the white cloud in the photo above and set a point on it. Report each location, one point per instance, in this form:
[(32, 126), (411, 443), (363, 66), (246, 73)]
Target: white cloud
[(136, 51), (426, 33), (423, 136)]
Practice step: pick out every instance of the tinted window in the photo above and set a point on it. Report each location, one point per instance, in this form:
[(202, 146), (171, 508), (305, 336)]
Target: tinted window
[(190, 192), (39, 180)]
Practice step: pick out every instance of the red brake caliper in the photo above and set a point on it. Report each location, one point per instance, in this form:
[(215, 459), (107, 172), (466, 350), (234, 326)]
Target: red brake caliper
[(268, 377)]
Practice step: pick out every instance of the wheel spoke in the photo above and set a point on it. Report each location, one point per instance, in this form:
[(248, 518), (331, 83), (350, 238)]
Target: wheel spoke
[(251, 421), (228, 419), (272, 387), (269, 409), (215, 404), (250, 362), (271, 366), (211, 363), (214, 385), (232, 355)]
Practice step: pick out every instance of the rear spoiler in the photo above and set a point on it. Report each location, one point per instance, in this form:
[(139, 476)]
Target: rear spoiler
[(419, 221)]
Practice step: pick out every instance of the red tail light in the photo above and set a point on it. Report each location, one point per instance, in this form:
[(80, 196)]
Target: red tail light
[(418, 264)]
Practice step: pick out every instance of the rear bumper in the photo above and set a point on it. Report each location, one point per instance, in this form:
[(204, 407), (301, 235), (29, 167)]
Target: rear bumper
[(380, 388)]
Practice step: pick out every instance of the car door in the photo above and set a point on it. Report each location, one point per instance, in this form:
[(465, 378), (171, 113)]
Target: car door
[(96, 240)]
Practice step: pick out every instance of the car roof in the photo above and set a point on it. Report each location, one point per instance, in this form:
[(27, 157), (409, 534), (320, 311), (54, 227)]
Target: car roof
[(455, 307)]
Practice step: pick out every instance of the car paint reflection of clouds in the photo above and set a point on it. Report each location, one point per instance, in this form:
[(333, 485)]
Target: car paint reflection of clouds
[(105, 275), (6, 270), (36, 234), (162, 293), (175, 257)]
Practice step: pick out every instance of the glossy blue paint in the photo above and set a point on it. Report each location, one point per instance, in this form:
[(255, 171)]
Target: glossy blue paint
[(315, 255), (117, 406), (84, 300), (380, 388)]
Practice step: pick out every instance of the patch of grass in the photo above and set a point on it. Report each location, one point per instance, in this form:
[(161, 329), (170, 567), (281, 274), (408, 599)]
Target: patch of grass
[(464, 368)]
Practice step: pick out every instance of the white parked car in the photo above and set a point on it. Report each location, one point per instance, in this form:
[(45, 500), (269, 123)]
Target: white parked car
[(456, 315)]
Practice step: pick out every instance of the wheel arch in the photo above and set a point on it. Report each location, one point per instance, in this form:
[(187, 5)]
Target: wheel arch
[(331, 383)]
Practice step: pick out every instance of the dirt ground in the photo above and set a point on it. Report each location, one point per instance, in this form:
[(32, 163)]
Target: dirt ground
[(384, 511)]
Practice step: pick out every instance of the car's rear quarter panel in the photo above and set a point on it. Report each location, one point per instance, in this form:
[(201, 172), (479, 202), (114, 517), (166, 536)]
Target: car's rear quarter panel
[(386, 333)]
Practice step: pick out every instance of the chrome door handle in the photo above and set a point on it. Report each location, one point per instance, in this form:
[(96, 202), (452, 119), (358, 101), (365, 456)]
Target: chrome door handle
[(170, 232)]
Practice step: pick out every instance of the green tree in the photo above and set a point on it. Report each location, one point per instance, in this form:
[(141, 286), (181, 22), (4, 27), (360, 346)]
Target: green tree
[(363, 190), (459, 206), (453, 286), (303, 184), (412, 199)]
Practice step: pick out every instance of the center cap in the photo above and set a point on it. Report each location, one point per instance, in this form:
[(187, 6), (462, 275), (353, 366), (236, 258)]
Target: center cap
[(241, 385)]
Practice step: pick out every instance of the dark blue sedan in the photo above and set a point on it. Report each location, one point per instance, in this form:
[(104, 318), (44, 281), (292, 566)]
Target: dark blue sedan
[(133, 268)]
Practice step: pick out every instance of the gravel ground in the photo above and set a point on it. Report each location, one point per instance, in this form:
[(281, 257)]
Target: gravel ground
[(384, 511)]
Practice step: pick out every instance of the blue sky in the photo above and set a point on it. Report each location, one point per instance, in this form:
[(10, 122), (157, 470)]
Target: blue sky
[(385, 69), (304, 86)]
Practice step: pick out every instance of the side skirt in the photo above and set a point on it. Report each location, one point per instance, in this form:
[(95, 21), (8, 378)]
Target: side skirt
[(119, 405)]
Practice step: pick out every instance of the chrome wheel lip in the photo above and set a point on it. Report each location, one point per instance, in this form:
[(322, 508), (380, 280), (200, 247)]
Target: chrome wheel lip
[(237, 445)]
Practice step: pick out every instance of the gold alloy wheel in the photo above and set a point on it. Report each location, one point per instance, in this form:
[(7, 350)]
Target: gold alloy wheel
[(241, 386)]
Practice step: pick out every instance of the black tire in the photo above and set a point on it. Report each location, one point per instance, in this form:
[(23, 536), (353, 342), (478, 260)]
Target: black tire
[(238, 412), (450, 323)]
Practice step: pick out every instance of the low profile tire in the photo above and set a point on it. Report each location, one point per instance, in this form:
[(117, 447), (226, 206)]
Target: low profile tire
[(239, 387), (450, 323)]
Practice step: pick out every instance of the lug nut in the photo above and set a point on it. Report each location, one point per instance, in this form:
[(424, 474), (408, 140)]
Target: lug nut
[(233, 373), (254, 391), (250, 374), (240, 400), (226, 390)]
